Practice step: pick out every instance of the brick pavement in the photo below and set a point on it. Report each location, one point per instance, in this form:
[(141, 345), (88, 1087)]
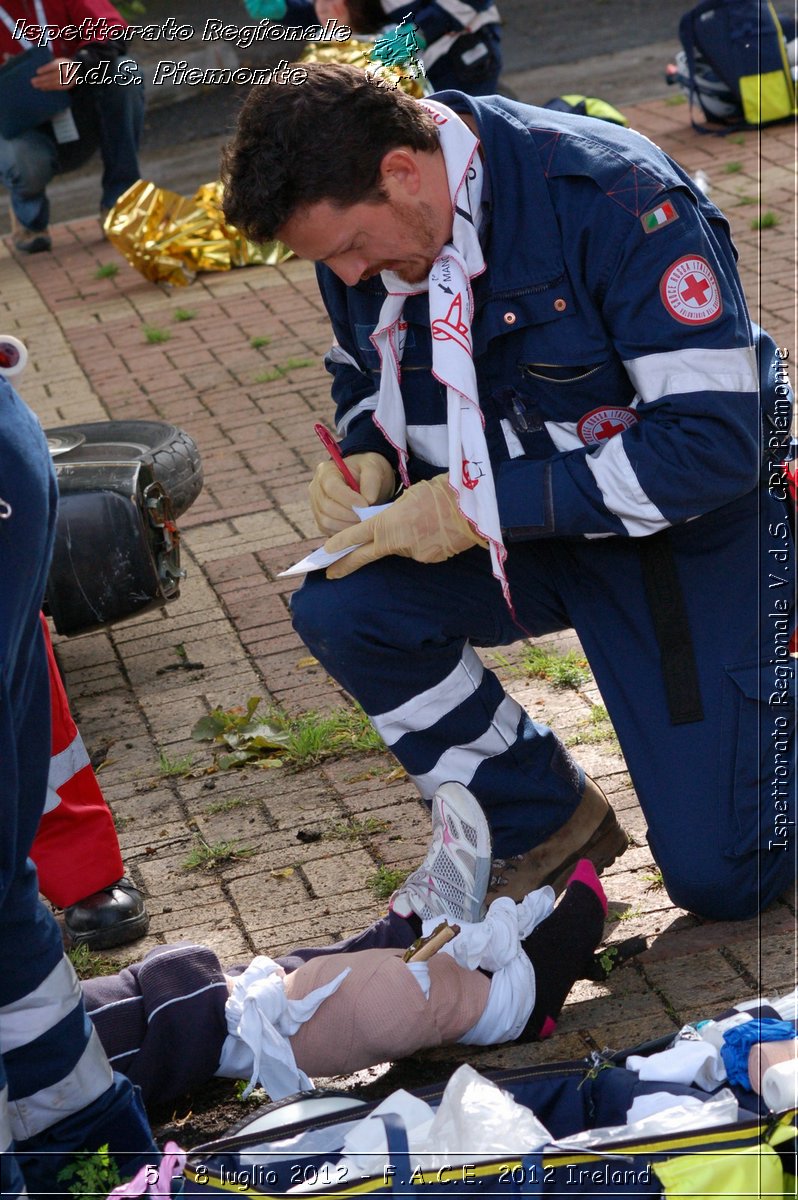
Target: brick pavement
[(89, 361)]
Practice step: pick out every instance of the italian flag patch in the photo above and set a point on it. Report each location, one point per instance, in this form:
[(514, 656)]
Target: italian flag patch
[(657, 218)]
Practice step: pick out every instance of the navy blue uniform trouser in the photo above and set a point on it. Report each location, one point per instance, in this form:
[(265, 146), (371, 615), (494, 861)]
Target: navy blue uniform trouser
[(717, 794), (57, 1091)]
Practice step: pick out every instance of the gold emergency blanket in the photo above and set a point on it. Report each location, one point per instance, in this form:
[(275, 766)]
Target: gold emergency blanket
[(355, 53), (169, 238)]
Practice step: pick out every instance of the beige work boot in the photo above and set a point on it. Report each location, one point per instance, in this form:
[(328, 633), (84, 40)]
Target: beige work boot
[(592, 832), (28, 241)]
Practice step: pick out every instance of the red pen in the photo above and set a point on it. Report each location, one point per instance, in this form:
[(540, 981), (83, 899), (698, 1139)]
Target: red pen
[(331, 446)]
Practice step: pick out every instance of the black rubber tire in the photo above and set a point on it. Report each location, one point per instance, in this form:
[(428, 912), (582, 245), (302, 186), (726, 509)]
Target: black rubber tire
[(170, 452)]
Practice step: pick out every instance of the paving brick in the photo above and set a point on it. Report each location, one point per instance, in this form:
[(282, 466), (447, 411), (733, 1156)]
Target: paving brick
[(311, 923), (228, 942), (164, 873), (339, 874), (307, 807), (565, 1046), (717, 985), (770, 959), (246, 823), (619, 1015)]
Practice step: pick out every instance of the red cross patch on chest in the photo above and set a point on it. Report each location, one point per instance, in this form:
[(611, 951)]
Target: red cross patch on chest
[(603, 423), (690, 291)]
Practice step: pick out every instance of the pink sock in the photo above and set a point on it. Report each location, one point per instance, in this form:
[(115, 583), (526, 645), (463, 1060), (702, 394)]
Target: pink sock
[(584, 872)]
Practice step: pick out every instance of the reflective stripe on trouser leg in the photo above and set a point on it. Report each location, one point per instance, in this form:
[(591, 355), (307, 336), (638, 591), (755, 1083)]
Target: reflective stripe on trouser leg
[(64, 767), (47, 1033), (461, 760), (397, 635)]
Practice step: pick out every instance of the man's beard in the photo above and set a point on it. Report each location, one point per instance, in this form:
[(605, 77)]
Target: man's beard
[(419, 222)]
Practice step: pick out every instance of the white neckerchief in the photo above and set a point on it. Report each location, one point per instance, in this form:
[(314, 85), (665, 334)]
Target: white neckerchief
[(451, 310)]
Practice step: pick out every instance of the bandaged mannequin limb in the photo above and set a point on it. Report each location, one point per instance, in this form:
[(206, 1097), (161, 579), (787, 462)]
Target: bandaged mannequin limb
[(503, 978), (340, 1013)]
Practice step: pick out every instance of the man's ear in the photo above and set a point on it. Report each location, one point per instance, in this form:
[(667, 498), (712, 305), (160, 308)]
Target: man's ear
[(400, 172)]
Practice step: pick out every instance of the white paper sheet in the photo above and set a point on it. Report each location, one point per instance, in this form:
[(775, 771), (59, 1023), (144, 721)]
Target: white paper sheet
[(317, 560)]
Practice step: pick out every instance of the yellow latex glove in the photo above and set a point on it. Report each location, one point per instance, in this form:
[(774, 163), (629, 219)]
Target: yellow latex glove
[(424, 523), (331, 500)]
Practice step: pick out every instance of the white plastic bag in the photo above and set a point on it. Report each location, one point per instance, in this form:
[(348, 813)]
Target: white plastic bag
[(476, 1120)]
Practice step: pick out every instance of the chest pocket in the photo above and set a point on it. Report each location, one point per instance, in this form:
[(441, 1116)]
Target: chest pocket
[(565, 392), (547, 401)]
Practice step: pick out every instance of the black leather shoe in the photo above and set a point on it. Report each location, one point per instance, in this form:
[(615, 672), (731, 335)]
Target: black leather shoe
[(112, 917), (28, 241)]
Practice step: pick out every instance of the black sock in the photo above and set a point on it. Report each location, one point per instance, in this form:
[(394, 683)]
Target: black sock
[(561, 948)]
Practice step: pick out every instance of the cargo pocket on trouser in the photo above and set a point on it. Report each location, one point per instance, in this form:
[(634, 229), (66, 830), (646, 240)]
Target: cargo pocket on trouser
[(756, 770)]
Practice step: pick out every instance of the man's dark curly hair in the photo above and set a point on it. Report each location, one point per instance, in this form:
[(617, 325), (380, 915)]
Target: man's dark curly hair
[(323, 139)]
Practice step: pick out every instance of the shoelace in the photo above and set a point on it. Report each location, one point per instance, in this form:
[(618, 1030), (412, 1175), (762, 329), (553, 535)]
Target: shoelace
[(502, 864)]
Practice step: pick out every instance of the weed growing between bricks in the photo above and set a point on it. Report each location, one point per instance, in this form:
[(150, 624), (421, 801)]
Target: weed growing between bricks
[(386, 880), (153, 336), (568, 670), (596, 731), (274, 739), (89, 964), (175, 766), (206, 855), (279, 370), (354, 829)]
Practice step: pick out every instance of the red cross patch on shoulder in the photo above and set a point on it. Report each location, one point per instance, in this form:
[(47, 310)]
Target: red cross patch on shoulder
[(690, 291), (600, 424)]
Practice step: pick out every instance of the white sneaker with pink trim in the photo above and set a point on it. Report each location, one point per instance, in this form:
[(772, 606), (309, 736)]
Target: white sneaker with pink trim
[(453, 879)]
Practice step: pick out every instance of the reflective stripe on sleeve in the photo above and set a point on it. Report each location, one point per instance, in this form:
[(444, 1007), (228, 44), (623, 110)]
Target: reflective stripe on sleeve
[(368, 404), (621, 491), (680, 372)]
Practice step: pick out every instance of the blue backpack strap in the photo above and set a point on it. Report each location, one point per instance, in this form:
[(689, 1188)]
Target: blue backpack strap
[(687, 36), (397, 1173)]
